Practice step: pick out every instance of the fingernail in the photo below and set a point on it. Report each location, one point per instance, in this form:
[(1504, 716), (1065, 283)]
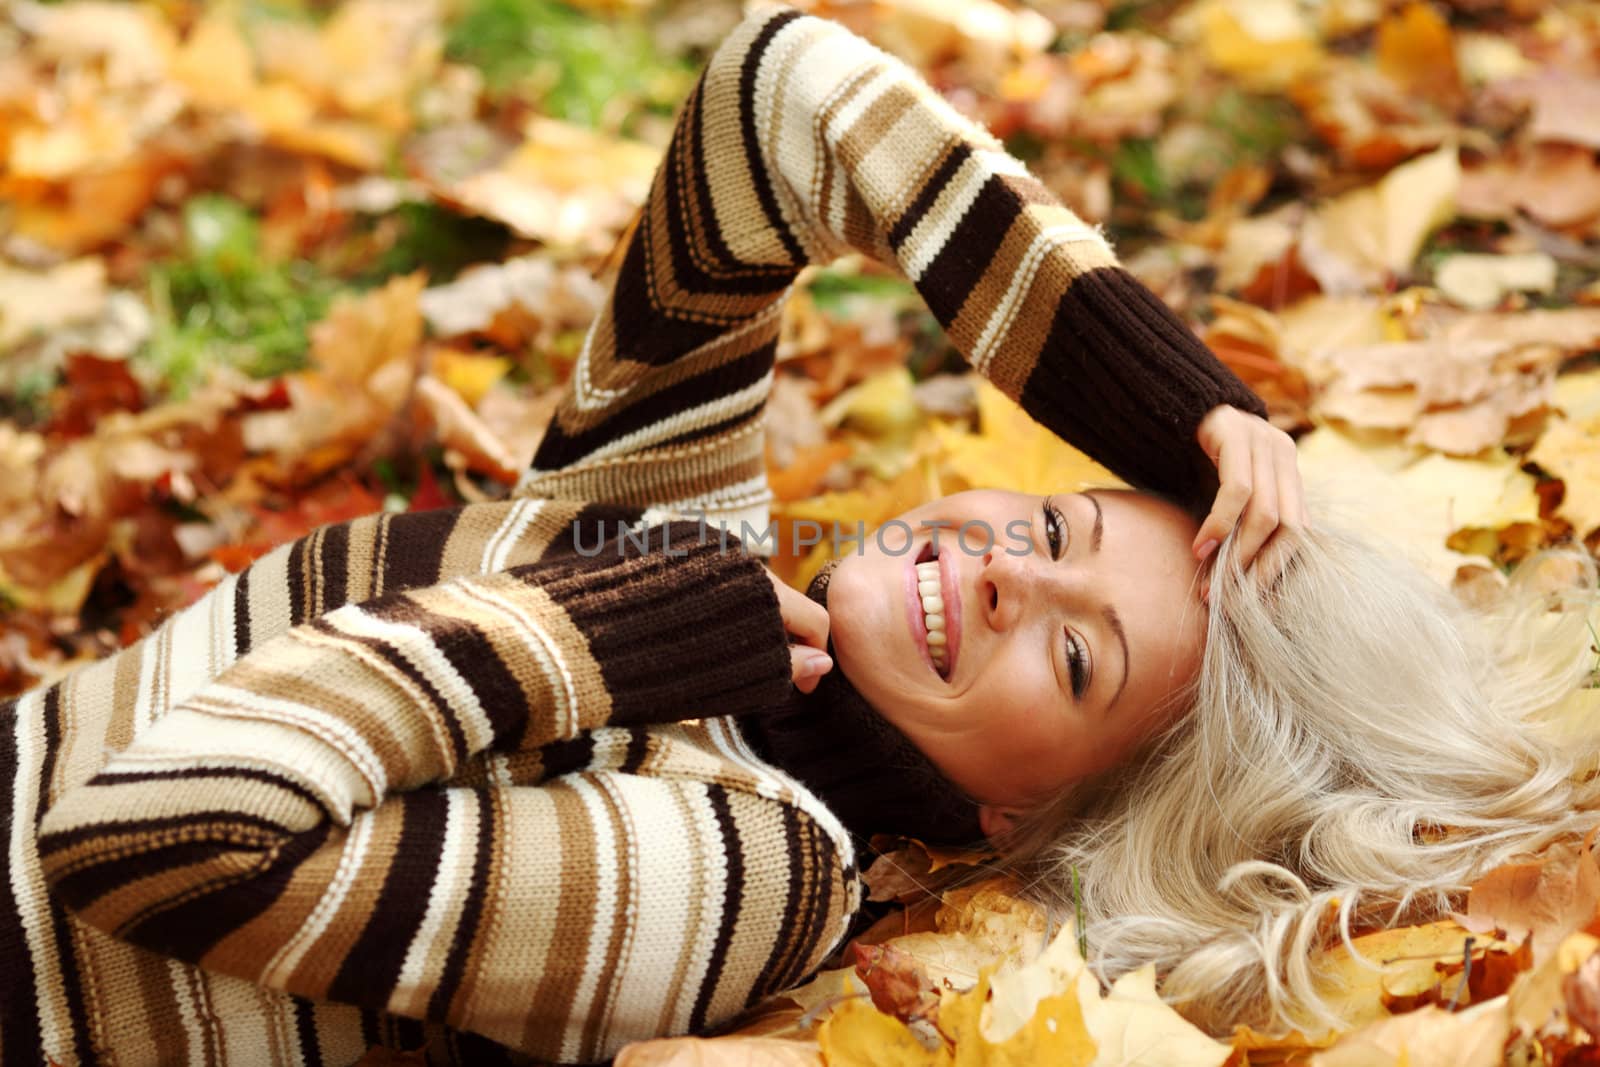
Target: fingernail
[(1207, 548), (815, 666)]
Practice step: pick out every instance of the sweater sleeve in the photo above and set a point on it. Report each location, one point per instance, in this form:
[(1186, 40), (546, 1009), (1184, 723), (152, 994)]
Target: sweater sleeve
[(285, 793), (801, 142)]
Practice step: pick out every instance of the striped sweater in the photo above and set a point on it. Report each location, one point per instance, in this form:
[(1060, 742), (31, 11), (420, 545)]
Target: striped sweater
[(446, 778)]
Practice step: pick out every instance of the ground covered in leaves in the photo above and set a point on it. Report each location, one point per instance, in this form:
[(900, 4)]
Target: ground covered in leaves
[(268, 265)]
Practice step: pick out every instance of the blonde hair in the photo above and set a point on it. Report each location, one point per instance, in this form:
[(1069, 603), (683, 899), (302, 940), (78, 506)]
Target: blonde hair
[(1359, 746)]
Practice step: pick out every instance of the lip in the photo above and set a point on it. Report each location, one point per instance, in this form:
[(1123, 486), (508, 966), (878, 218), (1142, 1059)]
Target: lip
[(949, 590)]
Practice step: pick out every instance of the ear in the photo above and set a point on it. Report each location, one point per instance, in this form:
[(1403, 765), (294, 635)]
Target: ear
[(996, 822)]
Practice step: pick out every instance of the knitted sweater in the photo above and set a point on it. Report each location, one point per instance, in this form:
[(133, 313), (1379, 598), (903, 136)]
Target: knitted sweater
[(445, 777)]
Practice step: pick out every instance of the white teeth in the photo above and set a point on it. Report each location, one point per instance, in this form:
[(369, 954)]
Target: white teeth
[(930, 591)]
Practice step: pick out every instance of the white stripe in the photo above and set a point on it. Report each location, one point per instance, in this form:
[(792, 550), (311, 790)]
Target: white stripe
[(712, 899), (545, 649), (458, 853), (1001, 319), (281, 967), (933, 230), (144, 701), (419, 649), (599, 921), (189, 1011), (728, 739), (28, 885), (634, 910), (588, 396), (509, 532), (716, 409), (224, 701)]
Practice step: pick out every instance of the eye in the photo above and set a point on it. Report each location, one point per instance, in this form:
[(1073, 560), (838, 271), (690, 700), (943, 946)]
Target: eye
[(1077, 665), (1054, 524)]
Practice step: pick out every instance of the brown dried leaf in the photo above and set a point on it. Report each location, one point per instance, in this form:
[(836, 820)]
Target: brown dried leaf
[(1546, 899), (720, 1052), (1416, 50)]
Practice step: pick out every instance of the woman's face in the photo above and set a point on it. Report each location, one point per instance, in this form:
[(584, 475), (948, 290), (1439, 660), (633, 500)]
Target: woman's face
[(1068, 620)]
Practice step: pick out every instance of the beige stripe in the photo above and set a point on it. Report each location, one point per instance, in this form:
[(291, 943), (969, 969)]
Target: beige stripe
[(474, 528), (124, 695), (339, 1033), (361, 553), (626, 903), (252, 949), (380, 554), (296, 942), (268, 595), (1015, 359), (1004, 271), (525, 905)]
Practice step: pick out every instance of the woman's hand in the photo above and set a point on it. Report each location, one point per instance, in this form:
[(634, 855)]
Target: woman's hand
[(1260, 492), (806, 623)]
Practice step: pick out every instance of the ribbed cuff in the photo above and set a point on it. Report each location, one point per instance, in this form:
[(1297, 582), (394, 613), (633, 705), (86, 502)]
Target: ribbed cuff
[(1126, 380), (680, 628)]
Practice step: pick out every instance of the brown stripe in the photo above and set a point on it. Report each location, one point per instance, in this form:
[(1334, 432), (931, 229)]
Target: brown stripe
[(573, 918)]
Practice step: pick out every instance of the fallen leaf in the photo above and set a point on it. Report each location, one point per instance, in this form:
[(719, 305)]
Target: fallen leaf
[(1265, 44), (1357, 241), (1571, 451), (564, 185), (1476, 280), (1416, 504), (1012, 450), (719, 1052), (1416, 50), (858, 1035), (1545, 900), (898, 979), (1429, 1037), (39, 302)]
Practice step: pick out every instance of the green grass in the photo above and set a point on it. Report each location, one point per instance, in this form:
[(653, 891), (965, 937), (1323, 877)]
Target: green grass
[(439, 241), (220, 301), (568, 63)]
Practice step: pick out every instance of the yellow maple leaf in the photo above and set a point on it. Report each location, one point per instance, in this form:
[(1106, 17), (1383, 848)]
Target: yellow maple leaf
[(859, 1035), (1010, 449)]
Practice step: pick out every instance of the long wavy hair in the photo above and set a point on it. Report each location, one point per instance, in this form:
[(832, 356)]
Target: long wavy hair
[(1360, 746)]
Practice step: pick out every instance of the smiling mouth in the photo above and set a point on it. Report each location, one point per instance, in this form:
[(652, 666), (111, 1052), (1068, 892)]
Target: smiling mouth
[(936, 605)]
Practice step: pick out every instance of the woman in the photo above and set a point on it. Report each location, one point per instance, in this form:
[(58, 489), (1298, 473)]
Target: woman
[(458, 777)]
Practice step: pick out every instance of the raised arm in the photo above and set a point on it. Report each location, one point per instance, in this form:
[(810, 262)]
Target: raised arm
[(801, 142), (272, 826)]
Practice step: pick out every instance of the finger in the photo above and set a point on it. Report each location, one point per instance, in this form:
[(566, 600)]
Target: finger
[(1234, 474), (1260, 519), (807, 666), (804, 619), (1281, 547), (1291, 487)]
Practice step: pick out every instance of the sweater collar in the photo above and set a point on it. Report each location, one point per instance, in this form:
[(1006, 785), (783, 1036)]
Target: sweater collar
[(868, 773)]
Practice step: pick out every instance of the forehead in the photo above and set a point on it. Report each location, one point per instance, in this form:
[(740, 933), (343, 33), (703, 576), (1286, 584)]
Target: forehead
[(1153, 578)]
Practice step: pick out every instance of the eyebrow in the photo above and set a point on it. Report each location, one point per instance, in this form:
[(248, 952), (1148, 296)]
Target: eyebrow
[(1113, 620)]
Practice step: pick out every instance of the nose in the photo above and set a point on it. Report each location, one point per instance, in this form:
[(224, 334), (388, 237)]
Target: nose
[(1010, 586), (1003, 588)]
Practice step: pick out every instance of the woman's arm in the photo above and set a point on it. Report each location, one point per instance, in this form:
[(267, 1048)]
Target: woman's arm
[(233, 818), (801, 142)]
